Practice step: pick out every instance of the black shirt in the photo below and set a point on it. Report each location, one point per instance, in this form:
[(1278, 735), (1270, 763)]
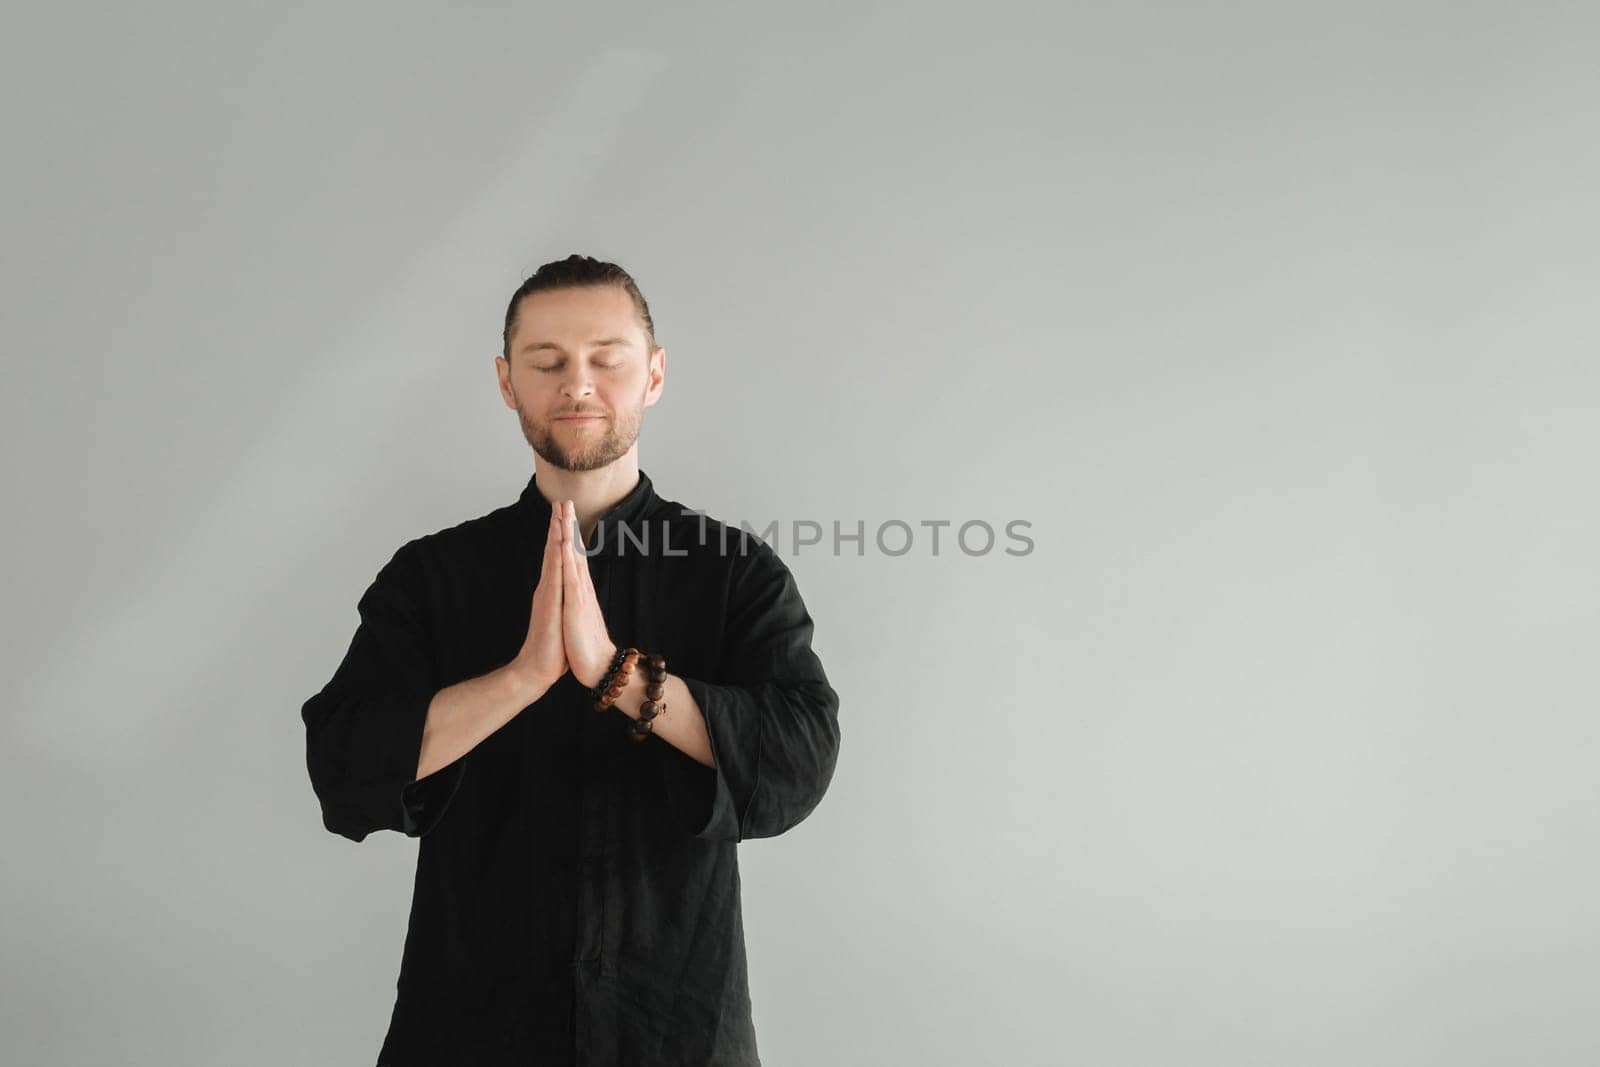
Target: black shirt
[(577, 891)]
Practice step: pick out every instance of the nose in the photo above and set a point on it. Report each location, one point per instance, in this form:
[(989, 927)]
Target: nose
[(576, 382)]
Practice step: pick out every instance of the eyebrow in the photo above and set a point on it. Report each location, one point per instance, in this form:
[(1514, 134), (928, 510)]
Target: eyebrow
[(537, 346)]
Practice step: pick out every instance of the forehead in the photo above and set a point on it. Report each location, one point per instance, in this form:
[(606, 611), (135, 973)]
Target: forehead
[(573, 318)]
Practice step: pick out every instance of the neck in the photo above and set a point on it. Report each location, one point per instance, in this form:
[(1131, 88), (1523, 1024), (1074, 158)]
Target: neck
[(592, 493)]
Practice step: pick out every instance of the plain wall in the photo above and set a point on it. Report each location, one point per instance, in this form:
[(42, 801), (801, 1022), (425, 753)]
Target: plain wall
[(1275, 322)]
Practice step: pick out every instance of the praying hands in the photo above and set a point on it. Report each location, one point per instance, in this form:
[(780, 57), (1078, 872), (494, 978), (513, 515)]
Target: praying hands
[(567, 630)]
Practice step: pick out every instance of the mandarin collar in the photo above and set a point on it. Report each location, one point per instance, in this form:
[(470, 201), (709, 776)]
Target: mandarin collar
[(630, 507)]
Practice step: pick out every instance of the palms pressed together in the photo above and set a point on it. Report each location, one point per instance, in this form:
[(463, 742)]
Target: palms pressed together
[(566, 630)]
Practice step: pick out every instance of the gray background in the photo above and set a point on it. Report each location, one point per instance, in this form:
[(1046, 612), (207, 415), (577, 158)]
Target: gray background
[(1275, 321)]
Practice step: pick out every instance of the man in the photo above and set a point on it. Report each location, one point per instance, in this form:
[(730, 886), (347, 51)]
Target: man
[(577, 887)]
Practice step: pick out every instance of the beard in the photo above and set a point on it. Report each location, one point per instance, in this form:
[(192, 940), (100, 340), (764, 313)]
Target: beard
[(572, 449)]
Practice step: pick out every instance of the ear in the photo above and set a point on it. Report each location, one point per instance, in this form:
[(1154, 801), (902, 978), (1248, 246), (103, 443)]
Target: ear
[(658, 376), (502, 372)]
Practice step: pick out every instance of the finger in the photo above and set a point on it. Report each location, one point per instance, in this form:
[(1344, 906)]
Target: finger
[(587, 577), (580, 557), (555, 583), (552, 551), (569, 571), (584, 575), (581, 589), (558, 546)]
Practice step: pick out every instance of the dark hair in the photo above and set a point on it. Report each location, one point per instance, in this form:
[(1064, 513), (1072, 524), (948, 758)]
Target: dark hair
[(577, 272)]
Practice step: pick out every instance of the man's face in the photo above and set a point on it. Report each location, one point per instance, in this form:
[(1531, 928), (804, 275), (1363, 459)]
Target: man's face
[(579, 376)]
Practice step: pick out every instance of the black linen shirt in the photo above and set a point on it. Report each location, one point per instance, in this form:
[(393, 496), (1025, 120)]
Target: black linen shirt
[(577, 892)]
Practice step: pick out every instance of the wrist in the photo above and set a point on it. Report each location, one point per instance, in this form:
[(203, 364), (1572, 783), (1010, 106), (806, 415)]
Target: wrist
[(595, 674), (633, 693), (527, 681)]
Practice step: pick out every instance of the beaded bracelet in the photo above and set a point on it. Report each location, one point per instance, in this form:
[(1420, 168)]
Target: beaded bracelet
[(615, 679), (610, 673), (642, 727)]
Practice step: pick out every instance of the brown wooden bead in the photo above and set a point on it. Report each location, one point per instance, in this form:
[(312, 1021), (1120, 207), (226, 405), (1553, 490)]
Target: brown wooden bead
[(616, 673), (616, 679)]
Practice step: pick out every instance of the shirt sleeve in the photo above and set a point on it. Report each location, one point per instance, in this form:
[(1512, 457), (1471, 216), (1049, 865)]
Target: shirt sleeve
[(364, 728), (772, 716)]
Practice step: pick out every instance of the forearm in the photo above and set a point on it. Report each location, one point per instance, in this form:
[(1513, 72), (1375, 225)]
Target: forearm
[(462, 715), (682, 725)]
